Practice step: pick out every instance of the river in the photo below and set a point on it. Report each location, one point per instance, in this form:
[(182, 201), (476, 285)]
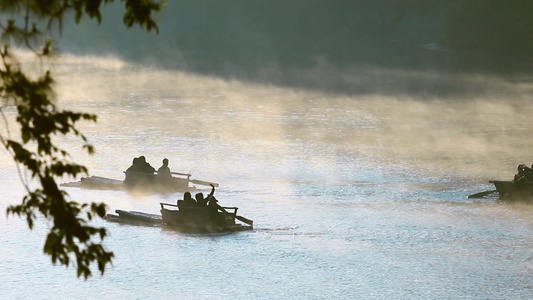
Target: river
[(353, 196)]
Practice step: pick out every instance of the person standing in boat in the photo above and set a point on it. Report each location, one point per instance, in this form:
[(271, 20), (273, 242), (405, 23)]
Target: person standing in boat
[(164, 170)]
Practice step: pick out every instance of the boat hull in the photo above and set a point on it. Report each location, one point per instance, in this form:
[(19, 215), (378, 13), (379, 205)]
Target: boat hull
[(154, 182), (195, 222), (170, 185), (507, 189), (503, 187), (201, 220), (135, 218)]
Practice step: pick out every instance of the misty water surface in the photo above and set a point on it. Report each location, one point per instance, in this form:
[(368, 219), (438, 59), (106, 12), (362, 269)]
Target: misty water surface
[(353, 195)]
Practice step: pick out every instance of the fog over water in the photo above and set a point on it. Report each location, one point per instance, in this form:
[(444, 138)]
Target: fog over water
[(487, 123), (353, 196), (357, 178)]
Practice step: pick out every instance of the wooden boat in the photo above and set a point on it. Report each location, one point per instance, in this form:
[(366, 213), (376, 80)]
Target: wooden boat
[(179, 183), (519, 189), (190, 219), (135, 218), (153, 182), (101, 183), (507, 189), (203, 219), (503, 187)]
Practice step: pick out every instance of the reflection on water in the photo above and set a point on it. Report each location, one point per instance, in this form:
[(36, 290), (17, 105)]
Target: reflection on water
[(351, 196)]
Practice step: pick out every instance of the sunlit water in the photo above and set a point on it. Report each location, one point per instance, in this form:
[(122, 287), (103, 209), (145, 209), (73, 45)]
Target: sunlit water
[(352, 196)]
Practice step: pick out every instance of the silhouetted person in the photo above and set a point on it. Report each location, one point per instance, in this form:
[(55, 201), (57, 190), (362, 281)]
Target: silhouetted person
[(139, 172), (201, 200), (212, 203), (187, 201), (211, 194), (130, 172), (164, 170), (145, 167), (520, 177), (528, 172), (134, 166)]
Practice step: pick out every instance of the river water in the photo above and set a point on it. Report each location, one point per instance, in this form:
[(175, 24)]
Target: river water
[(353, 196)]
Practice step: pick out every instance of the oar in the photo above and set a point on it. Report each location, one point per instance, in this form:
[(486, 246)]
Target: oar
[(481, 194), (244, 220), (201, 182)]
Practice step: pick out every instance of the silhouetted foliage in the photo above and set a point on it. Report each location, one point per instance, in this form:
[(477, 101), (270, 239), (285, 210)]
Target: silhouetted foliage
[(40, 120)]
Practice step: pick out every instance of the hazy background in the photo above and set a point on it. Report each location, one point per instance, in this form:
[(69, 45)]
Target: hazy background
[(357, 47), (351, 132), (431, 73)]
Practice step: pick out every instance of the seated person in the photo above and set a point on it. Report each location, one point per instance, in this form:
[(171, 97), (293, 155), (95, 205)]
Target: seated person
[(130, 172), (528, 173), (139, 172), (134, 166), (212, 202), (219, 218), (145, 167), (202, 202), (210, 194), (187, 201), (164, 170), (520, 177)]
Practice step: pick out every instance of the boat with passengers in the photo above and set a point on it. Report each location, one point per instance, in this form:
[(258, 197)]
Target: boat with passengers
[(195, 217), (518, 189), (144, 180)]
